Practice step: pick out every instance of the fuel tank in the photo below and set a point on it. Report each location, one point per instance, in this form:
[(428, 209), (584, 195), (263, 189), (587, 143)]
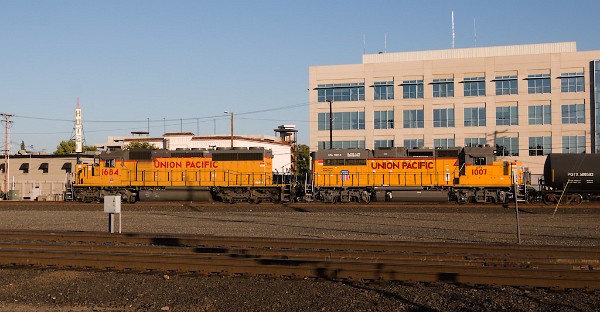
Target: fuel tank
[(411, 195), (195, 194)]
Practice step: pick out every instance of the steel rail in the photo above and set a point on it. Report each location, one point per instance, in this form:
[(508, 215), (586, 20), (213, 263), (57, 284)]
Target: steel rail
[(328, 255), (311, 269), (567, 252)]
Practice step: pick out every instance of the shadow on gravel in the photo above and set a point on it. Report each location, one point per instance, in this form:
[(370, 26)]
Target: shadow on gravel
[(296, 209), (166, 241), (390, 295)]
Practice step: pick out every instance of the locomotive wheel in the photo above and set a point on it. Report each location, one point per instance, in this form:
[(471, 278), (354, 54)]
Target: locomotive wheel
[(365, 197), (131, 199)]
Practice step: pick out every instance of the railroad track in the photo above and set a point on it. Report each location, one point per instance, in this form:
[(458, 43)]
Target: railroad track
[(473, 264), (186, 204)]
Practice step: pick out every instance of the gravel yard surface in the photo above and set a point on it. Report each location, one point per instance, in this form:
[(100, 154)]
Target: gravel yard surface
[(59, 290)]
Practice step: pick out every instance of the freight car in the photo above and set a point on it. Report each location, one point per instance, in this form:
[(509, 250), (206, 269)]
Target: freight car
[(571, 178), (229, 175), (468, 174)]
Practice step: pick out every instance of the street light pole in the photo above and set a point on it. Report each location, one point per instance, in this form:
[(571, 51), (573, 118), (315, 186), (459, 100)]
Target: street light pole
[(330, 125)]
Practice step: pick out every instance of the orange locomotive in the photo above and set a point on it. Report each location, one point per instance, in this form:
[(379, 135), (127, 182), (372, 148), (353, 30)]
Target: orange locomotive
[(467, 174), (228, 175)]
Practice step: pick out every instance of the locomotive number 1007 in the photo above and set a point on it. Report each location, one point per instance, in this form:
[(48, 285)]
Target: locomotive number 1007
[(479, 171)]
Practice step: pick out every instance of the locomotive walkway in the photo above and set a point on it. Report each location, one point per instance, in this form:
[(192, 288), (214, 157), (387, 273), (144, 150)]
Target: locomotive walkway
[(473, 264)]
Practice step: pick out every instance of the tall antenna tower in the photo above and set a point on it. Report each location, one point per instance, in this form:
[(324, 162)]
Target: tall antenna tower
[(78, 130), (452, 29)]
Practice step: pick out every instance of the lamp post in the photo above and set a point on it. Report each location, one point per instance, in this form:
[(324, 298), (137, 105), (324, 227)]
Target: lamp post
[(231, 113), (330, 125)]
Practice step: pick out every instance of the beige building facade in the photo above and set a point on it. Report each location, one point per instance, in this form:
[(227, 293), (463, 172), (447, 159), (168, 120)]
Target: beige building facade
[(38, 177), (526, 100)]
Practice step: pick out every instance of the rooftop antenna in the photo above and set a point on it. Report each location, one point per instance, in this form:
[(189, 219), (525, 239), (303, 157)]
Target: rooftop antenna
[(364, 43), (452, 29), (474, 33), (384, 42)]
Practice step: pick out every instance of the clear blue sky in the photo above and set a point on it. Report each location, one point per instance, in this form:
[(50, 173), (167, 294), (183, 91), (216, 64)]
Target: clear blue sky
[(188, 61)]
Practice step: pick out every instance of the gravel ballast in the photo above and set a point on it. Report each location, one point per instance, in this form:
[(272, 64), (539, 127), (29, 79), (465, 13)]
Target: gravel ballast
[(61, 290)]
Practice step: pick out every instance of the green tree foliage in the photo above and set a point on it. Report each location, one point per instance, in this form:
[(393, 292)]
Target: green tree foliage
[(302, 157), (138, 146), (68, 147), (22, 145)]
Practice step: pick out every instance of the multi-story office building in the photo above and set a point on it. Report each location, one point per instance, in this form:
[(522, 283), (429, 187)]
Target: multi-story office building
[(526, 100)]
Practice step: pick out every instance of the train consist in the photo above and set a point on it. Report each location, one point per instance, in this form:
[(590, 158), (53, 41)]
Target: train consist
[(570, 178), (467, 174)]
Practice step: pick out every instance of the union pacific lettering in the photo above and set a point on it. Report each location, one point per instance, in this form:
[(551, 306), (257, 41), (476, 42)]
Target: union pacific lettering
[(404, 164), (188, 164)]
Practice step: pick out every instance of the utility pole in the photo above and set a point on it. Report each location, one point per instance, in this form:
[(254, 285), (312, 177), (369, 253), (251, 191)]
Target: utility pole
[(231, 113), (7, 125), (330, 125)]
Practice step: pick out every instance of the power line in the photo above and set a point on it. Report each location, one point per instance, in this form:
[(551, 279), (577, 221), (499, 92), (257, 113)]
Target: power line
[(168, 120)]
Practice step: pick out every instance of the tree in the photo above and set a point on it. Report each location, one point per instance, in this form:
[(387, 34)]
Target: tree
[(302, 158), (68, 147), (22, 145), (138, 146)]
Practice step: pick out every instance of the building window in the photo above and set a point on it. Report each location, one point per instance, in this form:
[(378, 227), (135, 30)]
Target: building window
[(475, 141), (573, 113), (540, 146), (443, 87), (343, 121), (384, 90), (573, 144), (538, 83), (539, 115), (506, 85), (413, 143), (507, 116), (24, 167), (475, 117), (443, 118), (571, 82), (43, 167), (341, 92), (412, 89), (506, 146), (443, 143), (474, 86), (384, 119), (413, 118), (343, 144), (384, 143)]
